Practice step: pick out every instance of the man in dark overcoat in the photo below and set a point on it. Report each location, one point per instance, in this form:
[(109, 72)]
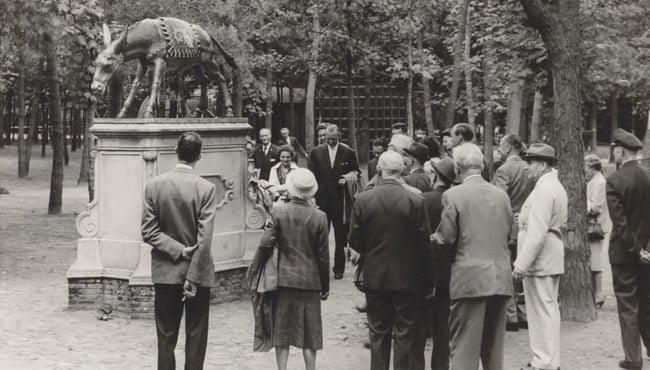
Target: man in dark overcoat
[(628, 202), (389, 230), (416, 176), (332, 163)]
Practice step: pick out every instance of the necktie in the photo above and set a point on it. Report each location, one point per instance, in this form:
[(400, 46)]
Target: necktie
[(266, 150)]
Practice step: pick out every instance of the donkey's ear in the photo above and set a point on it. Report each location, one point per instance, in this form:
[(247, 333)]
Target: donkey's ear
[(121, 43), (107, 35)]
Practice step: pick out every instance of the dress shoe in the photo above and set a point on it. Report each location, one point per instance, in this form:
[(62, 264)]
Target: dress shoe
[(363, 308), (631, 365), (512, 326), (338, 275)]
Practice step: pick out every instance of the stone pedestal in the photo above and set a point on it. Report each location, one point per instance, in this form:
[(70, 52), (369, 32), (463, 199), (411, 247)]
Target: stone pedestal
[(113, 266)]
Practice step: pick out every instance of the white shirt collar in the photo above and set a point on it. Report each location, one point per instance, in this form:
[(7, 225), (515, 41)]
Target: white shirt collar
[(336, 147), (185, 166)]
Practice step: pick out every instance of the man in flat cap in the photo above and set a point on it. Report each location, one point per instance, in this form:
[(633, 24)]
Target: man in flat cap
[(628, 201)]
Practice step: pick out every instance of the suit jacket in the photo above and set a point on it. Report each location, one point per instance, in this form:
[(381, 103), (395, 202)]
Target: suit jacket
[(265, 162), (372, 167), (540, 249), (293, 142), (330, 193), (476, 219), (419, 179), (301, 233), (597, 201), (441, 255), (178, 212), (389, 228), (512, 178), (628, 201)]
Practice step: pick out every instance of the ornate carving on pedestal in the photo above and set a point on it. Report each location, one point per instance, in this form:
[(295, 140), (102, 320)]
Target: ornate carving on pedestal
[(151, 164), (255, 211), (88, 221), (224, 186)]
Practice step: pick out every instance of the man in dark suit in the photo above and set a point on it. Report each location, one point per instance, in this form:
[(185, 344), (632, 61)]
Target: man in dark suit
[(389, 230), (330, 163), (444, 178), (177, 221), (462, 133), (628, 202), (475, 222), (379, 146), (512, 178), (416, 176), (265, 155)]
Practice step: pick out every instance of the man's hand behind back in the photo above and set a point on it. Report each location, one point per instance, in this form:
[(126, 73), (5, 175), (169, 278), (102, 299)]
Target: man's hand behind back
[(189, 251)]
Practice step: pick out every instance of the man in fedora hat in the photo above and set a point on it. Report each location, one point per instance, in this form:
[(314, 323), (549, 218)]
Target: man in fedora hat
[(628, 202), (388, 228), (540, 255), (511, 177), (444, 178), (416, 176)]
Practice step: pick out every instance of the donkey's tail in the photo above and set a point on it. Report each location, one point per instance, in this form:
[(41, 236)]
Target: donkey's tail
[(227, 56)]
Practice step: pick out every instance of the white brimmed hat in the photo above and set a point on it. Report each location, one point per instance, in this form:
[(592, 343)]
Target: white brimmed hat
[(301, 182)]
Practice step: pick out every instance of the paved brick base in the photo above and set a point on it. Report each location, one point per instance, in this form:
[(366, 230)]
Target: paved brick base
[(137, 301)]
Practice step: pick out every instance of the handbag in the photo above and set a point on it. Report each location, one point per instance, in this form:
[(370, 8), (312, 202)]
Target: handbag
[(269, 275), (594, 229)]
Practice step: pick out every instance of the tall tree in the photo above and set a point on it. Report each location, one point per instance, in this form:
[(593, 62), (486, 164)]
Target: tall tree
[(56, 180), (311, 80), (558, 24), (458, 58), (20, 102)]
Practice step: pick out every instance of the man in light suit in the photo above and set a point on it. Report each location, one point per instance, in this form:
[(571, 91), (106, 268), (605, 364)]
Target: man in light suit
[(330, 163), (177, 221), (512, 178), (628, 202), (475, 223), (389, 230), (266, 155), (540, 255)]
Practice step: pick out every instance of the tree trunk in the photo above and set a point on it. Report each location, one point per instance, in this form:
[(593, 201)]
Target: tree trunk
[(558, 23), (409, 87), (237, 94), (84, 171), (3, 99), (489, 59), (268, 118), (614, 125), (646, 144), (34, 118), (56, 181), (66, 155), (513, 119), (426, 96), (471, 113), (45, 130), (535, 122), (458, 57), (352, 117), (593, 124), (311, 80), (20, 113), (363, 148), (291, 121)]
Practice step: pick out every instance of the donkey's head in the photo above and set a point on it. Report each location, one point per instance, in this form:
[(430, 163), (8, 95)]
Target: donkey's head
[(108, 61)]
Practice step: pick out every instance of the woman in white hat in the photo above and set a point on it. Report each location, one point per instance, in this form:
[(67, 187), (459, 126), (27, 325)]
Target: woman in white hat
[(300, 232)]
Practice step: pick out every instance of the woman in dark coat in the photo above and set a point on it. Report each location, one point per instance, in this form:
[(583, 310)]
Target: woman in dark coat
[(300, 232)]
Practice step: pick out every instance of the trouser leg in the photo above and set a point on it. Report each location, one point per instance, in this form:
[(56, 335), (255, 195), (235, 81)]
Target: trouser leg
[(335, 218), (409, 336), (197, 313), (466, 330), (168, 310), (494, 333), (380, 325), (543, 320), (626, 279), (440, 330), (644, 305)]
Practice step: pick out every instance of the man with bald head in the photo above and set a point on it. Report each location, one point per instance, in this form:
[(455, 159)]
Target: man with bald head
[(389, 229), (334, 164), (265, 155)]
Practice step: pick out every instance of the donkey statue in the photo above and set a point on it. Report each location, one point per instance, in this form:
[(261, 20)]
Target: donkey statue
[(167, 44)]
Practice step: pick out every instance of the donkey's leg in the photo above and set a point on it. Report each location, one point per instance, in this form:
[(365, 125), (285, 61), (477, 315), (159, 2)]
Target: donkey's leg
[(156, 80), (139, 75), (214, 70)]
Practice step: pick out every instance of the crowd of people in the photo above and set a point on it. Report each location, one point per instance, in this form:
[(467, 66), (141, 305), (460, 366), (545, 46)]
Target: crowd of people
[(434, 237)]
